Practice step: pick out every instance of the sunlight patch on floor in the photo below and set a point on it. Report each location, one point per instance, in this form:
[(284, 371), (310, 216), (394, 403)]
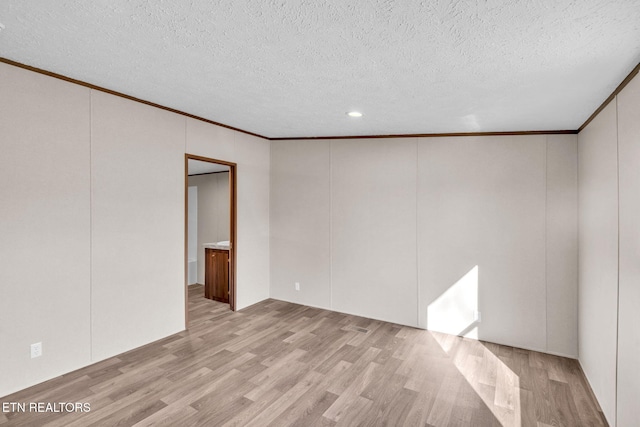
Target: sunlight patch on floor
[(491, 379)]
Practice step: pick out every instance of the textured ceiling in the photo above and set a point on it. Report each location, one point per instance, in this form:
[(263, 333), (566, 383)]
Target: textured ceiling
[(291, 68)]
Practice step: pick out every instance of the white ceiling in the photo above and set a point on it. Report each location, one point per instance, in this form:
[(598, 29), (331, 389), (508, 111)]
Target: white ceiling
[(293, 68), (198, 167)]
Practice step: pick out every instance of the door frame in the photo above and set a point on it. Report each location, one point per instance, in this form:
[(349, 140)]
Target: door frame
[(232, 229)]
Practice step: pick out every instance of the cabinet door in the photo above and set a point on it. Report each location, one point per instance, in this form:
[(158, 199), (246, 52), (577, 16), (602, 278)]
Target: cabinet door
[(209, 268), (221, 276), (216, 275)]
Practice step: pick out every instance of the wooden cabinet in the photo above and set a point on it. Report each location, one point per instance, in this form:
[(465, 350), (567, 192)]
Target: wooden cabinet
[(216, 274)]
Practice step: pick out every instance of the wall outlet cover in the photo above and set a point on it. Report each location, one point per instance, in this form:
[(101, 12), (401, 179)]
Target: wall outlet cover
[(36, 350)]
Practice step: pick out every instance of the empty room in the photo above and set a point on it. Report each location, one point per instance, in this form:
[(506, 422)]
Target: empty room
[(274, 213)]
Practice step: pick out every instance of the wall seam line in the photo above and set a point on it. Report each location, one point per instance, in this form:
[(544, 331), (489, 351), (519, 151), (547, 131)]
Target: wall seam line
[(185, 188), (578, 262), (618, 259), (418, 305), (269, 222), (91, 225), (331, 225), (546, 242), (577, 258)]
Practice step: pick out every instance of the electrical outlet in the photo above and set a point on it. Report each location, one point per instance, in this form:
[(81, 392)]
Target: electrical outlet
[(477, 316), (36, 350), (297, 286)]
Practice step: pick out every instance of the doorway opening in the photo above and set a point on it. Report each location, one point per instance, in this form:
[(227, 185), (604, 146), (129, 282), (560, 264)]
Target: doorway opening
[(210, 229)]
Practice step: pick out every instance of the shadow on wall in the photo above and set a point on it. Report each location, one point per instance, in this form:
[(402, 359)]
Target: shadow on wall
[(455, 311)]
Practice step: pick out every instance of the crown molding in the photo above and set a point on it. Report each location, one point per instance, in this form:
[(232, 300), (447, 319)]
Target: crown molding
[(611, 97), (621, 86), (122, 95)]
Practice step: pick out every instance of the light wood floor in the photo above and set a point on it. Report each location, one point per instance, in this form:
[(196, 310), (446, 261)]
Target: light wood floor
[(279, 364)]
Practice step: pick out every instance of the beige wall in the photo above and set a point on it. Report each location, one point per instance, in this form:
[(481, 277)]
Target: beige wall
[(373, 228), (609, 158), (628, 105), (483, 204), (45, 227), (301, 222), (598, 262), (405, 219), (561, 246), (213, 212), (252, 156), (93, 205), (137, 218), (609, 149)]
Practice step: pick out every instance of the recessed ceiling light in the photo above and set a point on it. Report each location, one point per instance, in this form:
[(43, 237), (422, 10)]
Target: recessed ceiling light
[(354, 114)]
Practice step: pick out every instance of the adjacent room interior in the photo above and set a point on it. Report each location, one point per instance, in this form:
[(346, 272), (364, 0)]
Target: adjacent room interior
[(320, 215), (210, 229)]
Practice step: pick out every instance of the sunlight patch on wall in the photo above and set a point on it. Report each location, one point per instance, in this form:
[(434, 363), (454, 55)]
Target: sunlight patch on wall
[(455, 311)]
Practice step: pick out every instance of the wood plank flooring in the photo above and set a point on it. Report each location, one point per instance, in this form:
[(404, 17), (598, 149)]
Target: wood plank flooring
[(280, 364)]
